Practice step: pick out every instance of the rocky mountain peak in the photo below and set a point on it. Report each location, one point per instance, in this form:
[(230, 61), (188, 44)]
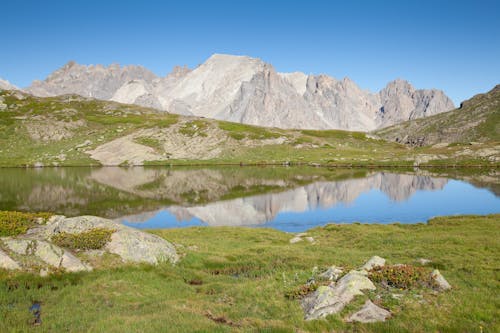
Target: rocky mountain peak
[(248, 90), (6, 85)]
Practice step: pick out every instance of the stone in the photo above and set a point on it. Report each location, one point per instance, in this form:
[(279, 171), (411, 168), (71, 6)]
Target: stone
[(373, 262), (130, 244), (440, 280), (47, 252), (423, 261), (7, 262), (310, 239), (332, 273), (295, 240), (369, 313), (332, 299)]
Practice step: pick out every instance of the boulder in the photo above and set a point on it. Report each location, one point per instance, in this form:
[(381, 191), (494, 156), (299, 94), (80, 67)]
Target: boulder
[(47, 252), (332, 299), (332, 273), (295, 239), (130, 244), (423, 261), (373, 262), (7, 262), (440, 280), (369, 313)]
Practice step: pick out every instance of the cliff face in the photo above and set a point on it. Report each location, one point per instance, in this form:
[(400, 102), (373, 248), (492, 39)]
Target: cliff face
[(247, 90)]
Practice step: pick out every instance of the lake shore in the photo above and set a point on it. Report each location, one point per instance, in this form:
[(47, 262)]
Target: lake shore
[(244, 279)]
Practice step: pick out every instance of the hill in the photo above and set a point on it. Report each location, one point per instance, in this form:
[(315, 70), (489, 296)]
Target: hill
[(476, 120), (73, 130)]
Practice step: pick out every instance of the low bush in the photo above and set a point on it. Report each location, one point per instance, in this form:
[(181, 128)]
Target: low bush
[(17, 223), (94, 239), (402, 276)]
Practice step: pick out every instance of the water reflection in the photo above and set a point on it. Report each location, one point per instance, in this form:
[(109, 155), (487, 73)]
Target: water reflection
[(284, 198)]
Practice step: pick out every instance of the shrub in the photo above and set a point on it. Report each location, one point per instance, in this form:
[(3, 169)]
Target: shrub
[(94, 239), (402, 276), (17, 223)]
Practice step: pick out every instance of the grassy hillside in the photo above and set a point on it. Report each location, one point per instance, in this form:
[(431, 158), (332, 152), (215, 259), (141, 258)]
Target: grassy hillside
[(72, 130), (244, 280), (477, 120)]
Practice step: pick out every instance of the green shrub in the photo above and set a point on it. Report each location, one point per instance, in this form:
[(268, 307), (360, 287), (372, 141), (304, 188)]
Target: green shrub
[(17, 223), (402, 276), (94, 239)]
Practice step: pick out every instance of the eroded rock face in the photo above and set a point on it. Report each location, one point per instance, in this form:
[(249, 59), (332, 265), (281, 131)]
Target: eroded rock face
[(332, 299), (332, 273), (369, 313)]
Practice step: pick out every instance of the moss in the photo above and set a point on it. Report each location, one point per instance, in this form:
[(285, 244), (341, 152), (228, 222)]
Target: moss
[(17, 223), (93, 239), (402, 276)]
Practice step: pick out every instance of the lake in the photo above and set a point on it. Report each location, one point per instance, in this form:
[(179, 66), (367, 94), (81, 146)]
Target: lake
[(285, 198)]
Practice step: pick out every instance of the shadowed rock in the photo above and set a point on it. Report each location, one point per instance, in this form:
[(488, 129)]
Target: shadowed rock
[(369, 313)]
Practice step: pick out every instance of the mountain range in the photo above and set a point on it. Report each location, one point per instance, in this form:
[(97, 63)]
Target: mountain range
[(248, 90)]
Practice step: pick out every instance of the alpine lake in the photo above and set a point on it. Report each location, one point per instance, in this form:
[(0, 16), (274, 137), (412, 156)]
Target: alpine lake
[(291, 199)]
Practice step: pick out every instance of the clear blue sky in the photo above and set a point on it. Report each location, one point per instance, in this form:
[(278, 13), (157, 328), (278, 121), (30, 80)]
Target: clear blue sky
[(451, 45)]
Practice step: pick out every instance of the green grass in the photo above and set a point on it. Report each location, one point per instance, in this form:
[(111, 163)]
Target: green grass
[(240, 131), (150, 142), (195, 127), (238, 279)]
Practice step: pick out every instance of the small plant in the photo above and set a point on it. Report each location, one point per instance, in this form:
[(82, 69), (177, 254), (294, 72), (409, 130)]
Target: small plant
[(94, 239), (305, 289), (402, 276), (17, 223)]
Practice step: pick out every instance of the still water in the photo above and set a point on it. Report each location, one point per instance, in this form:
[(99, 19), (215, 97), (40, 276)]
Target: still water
[(289, 199)]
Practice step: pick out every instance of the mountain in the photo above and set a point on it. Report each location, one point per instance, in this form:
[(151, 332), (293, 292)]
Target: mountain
[(476, 120), (248, 90), (6, 85)]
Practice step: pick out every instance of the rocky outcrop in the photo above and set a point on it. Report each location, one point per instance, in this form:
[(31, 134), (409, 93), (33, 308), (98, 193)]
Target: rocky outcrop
[(247, 90), (333, 298), (48, 253), (130, 244), (36, 251)]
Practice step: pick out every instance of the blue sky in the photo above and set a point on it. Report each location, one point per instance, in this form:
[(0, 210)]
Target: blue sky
[(451, 45)]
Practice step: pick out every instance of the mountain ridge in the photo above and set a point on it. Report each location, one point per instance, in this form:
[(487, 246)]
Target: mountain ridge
[(250, 91)]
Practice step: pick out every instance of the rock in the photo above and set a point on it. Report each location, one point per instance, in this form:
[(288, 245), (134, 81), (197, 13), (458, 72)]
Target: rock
[(440, 280), (128, 243), (295, 240), (7, 262), (332, 299), (332, 273), (310, 239), (373, 262), (369, 313), (49, 253), (423, 261)]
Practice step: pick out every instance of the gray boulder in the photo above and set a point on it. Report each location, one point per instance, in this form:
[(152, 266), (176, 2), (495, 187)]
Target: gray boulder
[(440, 280), (130, 244), (332, 273), (6, 262), (373, 262), (48, 253), (332, 299), (369, 313)]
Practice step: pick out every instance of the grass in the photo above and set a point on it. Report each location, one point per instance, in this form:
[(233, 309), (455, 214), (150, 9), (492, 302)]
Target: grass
[(238, 279)]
